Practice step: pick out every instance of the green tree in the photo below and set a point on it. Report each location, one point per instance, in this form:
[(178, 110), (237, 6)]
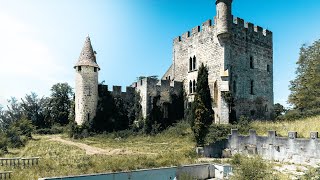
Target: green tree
[(36, 109), (305, 91), (279, 109), (203, 112), (60, 102)]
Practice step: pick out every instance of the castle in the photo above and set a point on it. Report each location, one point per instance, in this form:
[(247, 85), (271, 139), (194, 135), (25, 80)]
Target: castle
[(239, 58)]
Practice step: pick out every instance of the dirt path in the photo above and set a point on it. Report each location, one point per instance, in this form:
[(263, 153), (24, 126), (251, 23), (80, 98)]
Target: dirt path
[(90, 150)]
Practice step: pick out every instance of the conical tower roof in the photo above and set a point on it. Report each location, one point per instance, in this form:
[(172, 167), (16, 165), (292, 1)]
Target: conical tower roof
[(87, 55)]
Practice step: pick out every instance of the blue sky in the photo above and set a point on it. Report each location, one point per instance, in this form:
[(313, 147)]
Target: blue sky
[(41, 39)]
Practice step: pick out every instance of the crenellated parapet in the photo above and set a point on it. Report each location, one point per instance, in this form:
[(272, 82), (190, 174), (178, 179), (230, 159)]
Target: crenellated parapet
[(117, 91), (246, 31), (272, 147), (194, 31)]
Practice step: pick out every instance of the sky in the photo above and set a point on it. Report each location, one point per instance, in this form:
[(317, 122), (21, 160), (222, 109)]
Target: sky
[(41, 40)]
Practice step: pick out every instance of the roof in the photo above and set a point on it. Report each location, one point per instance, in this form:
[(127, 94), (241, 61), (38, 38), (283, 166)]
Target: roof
[(87, 55)]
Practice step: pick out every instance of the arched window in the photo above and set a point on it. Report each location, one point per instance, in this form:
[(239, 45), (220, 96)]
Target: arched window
[(194, 86), (251, 87), (190, 87), (190, 64), (194, 62), (251, 62)]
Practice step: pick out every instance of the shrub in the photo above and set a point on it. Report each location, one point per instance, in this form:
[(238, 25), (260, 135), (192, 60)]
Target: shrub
[(15, 139), (251, 168), (3, 144), (243, 125), (55, 129), (218, 132), (25, 126), (78, 132)]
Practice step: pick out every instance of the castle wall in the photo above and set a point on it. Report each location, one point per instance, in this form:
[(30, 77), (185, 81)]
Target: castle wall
[(150, 87), (285, 149), (251, 43), (203, 44), (86, 94)]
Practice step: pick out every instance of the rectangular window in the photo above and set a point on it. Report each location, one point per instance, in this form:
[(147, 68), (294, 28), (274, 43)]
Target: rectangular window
[(268, 68), (79, 68), (95, 69)]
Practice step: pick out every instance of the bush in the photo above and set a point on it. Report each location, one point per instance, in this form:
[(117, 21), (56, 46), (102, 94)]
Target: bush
[(218, 132), (251, 168), (15, 139), (243, 125), (25, 126), (78, 132), (53, 130), (179, 129), (3, 144)]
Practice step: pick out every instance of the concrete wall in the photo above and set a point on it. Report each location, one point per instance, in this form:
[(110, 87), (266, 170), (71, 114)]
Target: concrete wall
[(285, 149), (197, 171)]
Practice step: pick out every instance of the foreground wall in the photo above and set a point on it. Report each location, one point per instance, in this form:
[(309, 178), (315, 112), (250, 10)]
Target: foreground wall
[(286, 149), (198, 171)]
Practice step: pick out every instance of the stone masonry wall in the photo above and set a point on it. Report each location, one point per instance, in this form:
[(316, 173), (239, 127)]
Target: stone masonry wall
[(285, 149), (86, 94), (203, 44), (228, 64), (252, 43), (150, 87)]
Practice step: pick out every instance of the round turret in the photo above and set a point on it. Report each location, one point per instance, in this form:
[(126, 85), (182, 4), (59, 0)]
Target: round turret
[(223, 18), (86, 87)]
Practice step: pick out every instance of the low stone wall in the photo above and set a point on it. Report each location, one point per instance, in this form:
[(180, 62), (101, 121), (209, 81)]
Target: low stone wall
[(286, 149), (197, 171)]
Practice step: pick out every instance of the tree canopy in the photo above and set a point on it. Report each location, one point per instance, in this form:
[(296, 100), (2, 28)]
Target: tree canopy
[(305, 88)]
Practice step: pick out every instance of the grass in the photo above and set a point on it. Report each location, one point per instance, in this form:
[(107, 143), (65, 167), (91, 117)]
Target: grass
[(172, 147), (303, 127)]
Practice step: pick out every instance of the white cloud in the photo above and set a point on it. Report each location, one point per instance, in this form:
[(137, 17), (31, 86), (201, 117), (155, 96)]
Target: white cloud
[(26, 63)]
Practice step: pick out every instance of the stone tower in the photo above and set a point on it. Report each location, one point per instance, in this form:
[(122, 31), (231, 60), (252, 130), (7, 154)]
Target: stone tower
[(223, 18), (239, 58), (86, 87)]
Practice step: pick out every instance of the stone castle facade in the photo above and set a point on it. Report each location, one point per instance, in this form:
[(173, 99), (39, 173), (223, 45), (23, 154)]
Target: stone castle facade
[(239, 58)]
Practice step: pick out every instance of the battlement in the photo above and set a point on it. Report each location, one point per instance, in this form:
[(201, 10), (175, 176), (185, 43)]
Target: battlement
[(273, 134), (116, 90), (194, 31), (251, 27)]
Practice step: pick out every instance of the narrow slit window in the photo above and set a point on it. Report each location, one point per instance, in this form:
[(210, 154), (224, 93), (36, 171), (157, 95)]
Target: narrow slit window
[(190, 87), (79, 68), (268, 68), (194, 86), (251, 62), (194, 62), (251, 87)]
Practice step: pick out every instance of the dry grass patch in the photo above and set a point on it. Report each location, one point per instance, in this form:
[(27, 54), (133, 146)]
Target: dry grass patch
[(303, 126)]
